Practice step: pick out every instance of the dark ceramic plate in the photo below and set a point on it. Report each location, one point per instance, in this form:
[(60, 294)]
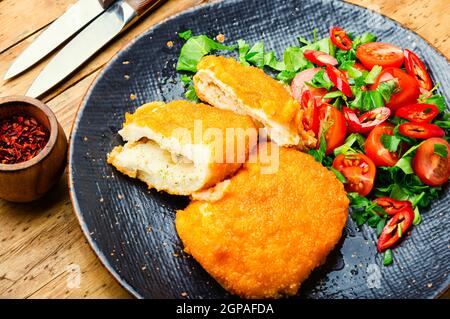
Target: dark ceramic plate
[(132, 229)]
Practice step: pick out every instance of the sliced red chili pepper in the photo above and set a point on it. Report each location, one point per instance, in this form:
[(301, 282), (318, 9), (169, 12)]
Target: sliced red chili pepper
[(320, 58), (311, 116), (340, 38), (392, 206), (366, 122), (420, 130), (354, 125), (373, 118), (415, 67), (391, 233), (418, 113), (339, 80)]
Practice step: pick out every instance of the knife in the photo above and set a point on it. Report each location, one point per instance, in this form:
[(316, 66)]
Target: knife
[(98, 33), (74, 19)]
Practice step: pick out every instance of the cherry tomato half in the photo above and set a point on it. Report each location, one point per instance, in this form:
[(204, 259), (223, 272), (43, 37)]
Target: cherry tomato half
[(375, 149), (311, 114), (339, 80), (432, 168), (415, 67), (380, 53), (418, 113), (358, 169), (392, 206), (340, 38), (332, 120), (390, 234), (319, 58), (298, 86), (406, 84), (420, 130)]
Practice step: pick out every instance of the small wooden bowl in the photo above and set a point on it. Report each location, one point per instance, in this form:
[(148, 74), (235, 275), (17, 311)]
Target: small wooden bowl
[(27, 181)]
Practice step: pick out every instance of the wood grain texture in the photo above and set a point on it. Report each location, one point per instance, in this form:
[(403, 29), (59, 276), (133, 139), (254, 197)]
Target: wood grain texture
[(41, 245)]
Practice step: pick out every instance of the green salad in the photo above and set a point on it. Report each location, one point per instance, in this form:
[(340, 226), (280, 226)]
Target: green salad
[(380, 124)]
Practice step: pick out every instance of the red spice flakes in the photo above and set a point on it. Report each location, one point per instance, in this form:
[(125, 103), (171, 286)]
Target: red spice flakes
[(21, 139)]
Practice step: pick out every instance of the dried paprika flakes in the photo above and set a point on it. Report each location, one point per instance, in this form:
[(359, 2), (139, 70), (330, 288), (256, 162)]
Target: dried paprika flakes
[(21, 139)]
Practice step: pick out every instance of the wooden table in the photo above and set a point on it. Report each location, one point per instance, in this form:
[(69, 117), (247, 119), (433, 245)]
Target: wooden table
[(41, 244)]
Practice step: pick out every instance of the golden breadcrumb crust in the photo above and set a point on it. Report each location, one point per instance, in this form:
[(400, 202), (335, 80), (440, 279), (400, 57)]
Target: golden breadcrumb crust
[(268, 231)]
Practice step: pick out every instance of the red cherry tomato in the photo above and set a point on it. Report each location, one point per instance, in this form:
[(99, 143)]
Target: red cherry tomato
[(392, 206), (432, 169), (340, 38), (420, 130), (380, 53), (416, 68), (359, 171), (390, 234), (418, 113), (319, 58), (375, 149), (311, 114), (298, 86), (406, 85), (332, 120), (366, 122), (339, 80)]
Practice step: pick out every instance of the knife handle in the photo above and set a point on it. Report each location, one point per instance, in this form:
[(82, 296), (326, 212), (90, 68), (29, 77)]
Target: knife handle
[(142, 6), (106, 3)]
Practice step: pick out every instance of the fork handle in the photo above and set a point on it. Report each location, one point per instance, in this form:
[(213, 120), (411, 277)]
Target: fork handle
[(106, 3), (142, 6)]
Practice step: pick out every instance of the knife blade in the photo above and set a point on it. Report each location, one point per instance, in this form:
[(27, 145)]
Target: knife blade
[(74, 19), (91, 39)]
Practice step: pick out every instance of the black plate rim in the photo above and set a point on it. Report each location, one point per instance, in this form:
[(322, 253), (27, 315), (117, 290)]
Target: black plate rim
[(103, 260)]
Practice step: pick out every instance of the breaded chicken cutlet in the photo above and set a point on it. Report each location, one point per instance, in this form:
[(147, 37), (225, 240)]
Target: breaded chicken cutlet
[(226, 84), (182, 147), (265, 233)]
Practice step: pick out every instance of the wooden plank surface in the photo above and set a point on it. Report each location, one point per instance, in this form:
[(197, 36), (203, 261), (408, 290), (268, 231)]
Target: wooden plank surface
[(43, 252)]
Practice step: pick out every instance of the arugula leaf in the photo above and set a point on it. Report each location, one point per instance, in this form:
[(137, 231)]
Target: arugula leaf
[(320, 80), (190, 90), (363, 39), (364, 210), (294, 60), (387, 88), (186, 79), (271, 61), (441, 150), (185, 35), (390, 142), (194, 49), (243, 48), (334, 94)]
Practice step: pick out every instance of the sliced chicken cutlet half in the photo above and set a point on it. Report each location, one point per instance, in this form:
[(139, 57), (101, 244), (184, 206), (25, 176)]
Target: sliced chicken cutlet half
[(226, 84), (267, 232), (182, 147)]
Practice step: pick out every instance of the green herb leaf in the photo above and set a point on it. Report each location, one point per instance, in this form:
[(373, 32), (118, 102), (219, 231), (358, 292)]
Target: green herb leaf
[(271, 61), (349, 141), (437, 100), (320, 80), (387, 88), (294, 60), (417, 217), (194, 49), (441, 150), (373, 74), (363, 39), (334, 94), (390, 142), (190, 94), (243, 49), (255, 55), (443, 124), (185, 35), (286, 76), (380, 226), (339, 175), (387, 257)]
